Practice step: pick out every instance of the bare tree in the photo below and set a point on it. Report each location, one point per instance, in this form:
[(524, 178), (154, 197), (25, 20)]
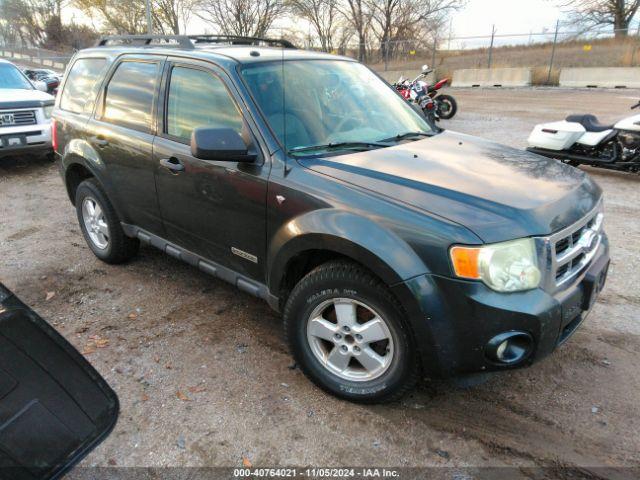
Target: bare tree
[(358, 15), (323, 16), (394, 21), (251, 18), (122, 17), (171, 15), (594, 13)]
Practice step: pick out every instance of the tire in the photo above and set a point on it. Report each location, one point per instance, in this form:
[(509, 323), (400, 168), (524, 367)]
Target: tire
[(311, 308), (108, 241), (450, 102)]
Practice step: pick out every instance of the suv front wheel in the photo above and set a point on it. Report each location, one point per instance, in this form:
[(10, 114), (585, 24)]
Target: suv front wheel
[(101, 226), (348, 334)]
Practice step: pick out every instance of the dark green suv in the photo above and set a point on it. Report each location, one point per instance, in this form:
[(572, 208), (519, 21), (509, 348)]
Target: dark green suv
[(393, 249)]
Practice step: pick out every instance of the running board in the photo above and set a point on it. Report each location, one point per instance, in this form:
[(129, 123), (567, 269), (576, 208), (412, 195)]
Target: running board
[(242, 282)]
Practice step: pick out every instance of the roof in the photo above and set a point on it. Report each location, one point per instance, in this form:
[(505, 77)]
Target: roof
[(220, 47)]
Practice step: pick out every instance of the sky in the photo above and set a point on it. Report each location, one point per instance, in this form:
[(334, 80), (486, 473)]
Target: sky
[(476, 18)]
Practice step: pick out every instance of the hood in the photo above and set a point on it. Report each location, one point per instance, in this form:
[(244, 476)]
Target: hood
[(498, 192), (20, 98)]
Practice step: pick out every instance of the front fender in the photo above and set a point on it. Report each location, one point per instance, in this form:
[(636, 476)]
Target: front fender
[(346, 233)]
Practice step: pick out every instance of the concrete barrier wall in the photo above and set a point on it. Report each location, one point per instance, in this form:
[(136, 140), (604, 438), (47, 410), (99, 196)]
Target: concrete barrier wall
[(392, 76), (612, 77), (494, 77)]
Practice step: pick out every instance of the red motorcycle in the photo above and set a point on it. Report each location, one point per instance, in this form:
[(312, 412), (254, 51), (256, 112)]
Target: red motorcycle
[(416, 91), (442, 105)]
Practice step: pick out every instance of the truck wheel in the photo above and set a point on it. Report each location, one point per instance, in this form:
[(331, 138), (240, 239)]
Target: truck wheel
[(101, 226), (349, 336)]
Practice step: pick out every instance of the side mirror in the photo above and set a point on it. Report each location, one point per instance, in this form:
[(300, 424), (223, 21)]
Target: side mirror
[(222, 144), (40, 85)]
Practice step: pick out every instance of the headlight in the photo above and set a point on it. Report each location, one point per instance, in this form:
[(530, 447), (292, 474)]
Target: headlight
[(48, 111), (504, 267)]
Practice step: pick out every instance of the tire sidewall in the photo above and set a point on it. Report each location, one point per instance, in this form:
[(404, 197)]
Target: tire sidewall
[(452, 106), (89, 189), (315, 293)]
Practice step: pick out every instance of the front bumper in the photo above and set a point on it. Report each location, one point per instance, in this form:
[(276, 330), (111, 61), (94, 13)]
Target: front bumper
[(455, 320), (26, 140)]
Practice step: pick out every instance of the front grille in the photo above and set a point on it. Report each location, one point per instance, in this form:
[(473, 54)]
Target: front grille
[(17, 118), (573, 248)]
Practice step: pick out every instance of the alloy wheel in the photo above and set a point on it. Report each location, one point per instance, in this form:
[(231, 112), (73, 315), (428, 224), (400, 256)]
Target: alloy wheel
[(350, 339)]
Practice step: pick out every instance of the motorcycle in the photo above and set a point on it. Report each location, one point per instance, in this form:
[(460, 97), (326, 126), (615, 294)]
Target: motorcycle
[(444, 106), (582, 139), (416, 92)]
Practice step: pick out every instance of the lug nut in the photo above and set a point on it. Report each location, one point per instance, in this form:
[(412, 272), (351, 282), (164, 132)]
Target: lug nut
[(344, 348), (356, 348), (358, 337), (346, 329), (337, 336)]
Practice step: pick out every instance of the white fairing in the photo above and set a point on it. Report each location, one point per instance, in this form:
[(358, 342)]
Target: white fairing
[(630, 123), (556, 135), (591, 139)]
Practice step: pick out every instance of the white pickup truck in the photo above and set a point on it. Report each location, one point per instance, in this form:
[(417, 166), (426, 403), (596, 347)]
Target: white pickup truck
[(25, 114)]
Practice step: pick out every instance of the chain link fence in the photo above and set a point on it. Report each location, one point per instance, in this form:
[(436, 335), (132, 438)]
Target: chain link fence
[(546, 53)]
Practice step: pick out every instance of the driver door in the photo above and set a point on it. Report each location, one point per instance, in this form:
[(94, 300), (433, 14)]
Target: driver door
[(215, 209)]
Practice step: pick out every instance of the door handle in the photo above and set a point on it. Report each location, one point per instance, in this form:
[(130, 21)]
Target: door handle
[(100, 141), (172, 164)]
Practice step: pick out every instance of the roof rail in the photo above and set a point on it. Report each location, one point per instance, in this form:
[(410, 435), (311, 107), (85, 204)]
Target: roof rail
[(188, 41), (175, 41), (239, 40)]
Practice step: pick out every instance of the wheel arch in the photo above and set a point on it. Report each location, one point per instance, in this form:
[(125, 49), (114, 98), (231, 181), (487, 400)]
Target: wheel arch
[(322, 235)]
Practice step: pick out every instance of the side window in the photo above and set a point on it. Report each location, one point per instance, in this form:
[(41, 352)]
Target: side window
[(129, 97), (198, 99), (81, 87)]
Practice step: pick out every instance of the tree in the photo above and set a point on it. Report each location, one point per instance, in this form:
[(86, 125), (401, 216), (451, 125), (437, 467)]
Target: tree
[(122, 17), (170, 16), (252, 18), (594, 13), (357, 14), (323, 17), (394, 21)]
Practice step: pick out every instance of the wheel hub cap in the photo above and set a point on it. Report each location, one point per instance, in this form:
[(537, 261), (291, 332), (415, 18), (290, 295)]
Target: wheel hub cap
[(350, 339), (95, 223)]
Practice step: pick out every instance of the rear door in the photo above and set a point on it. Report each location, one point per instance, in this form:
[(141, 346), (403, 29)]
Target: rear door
[(122, 133), (54, 407)]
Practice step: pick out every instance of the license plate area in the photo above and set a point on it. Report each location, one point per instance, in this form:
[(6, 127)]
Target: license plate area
[(13, 141), (576, 307)]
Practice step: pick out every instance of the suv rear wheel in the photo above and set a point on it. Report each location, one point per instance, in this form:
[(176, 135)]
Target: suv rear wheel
[(101, 226), (348, 334)]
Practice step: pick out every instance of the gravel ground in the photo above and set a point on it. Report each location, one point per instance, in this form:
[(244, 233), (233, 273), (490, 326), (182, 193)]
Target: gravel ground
[(203, 373)]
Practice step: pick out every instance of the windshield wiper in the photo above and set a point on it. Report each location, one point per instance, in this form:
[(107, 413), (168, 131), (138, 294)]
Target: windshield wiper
[(404, 136), (339, 146)]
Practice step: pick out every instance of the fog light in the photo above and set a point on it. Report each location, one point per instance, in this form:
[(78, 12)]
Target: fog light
[(509, 347)]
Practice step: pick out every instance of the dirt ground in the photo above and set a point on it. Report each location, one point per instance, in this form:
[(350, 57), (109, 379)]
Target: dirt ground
[(203, 373)]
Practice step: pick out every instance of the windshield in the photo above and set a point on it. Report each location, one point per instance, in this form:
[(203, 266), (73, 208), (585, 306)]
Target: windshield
[(11, 77), (328, 104)]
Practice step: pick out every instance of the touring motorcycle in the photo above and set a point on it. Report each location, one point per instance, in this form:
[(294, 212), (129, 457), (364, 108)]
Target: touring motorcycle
[(582, 139)]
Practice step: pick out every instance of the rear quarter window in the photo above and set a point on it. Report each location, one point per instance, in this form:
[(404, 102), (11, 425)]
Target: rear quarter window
[(81, 87)]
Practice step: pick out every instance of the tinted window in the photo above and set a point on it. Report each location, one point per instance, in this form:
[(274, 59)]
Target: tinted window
[(129, 97), (82, 85), (199, 99)]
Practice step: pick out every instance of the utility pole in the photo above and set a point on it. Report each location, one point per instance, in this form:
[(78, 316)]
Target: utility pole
[(149, 19), (493, 35), (553, 52)]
